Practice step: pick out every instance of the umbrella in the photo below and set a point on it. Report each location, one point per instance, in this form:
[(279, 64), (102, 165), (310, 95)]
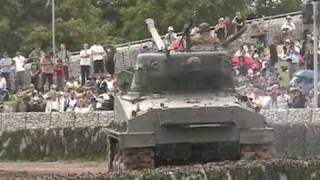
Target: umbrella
[(305, 73)]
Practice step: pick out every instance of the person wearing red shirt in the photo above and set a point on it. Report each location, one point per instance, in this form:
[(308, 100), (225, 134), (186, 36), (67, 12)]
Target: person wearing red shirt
[(60, 75)]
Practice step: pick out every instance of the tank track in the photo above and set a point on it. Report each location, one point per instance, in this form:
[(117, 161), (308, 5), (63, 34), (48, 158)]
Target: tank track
[(129, 159), (256, 151), (133, 159)]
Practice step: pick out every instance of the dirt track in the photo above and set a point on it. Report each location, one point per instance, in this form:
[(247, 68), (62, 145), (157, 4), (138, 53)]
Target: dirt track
[(27, 169)]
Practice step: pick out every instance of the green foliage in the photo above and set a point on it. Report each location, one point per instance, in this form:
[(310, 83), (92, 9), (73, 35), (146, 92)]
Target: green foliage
[(24, 23), (272, 7)]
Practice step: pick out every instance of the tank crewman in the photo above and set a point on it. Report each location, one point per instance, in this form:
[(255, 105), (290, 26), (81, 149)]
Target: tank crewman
[(204, 36)]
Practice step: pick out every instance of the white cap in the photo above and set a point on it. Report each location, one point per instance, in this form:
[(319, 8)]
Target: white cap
[(170, 28)]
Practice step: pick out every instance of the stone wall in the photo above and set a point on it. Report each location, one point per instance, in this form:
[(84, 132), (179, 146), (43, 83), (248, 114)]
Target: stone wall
[(54, 144), (20, 121), (54, 136), (297, 131), (241, 170)]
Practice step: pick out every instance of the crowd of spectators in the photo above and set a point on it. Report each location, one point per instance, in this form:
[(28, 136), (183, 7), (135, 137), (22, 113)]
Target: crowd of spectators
[(51, 86), (259, 66), (260, 69)]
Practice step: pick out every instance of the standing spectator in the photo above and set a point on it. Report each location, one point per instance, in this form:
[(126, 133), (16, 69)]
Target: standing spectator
[(221, 29), (36, 54), (110, 59), (238, 22), (3, 85), (97, 54), (273, 55), (307, 51), (288, 28), (60, 75), (19, 62), (47, 70), (228, 24), (293, 55), (170, 37), (35, 75), (6, 64), (85, 63), (65, 56)]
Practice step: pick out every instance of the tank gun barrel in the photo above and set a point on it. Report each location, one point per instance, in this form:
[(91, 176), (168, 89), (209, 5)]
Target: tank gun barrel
[(235, 36), (155, 35)]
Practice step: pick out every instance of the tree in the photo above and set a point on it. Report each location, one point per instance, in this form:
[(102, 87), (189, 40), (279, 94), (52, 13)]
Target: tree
[(25, 23)]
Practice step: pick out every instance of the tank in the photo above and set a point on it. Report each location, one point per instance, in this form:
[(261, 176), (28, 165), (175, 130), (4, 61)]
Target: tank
[(180, 108)]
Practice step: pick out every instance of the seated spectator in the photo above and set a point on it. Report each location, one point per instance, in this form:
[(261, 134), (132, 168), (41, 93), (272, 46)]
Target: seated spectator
[(102, 86), (36, 103), (20, 105), (54, 103), (110, 83), (242, 56), (70, 102), (283, 99), (81, 108), (72, 84), (297, 99), (310, 99)]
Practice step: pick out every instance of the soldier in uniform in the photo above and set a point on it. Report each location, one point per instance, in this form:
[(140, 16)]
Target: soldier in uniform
[(204, 36)]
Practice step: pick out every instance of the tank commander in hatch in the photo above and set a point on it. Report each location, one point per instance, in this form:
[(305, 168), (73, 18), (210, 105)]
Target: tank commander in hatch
[(204, 36)]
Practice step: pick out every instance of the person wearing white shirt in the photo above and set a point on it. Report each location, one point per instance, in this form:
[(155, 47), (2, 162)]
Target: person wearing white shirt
[(81, 108), (110, 83), (85, 63), (19, 62), (3, 84), (55, 104), (288, 28), (97, 53), (288, 25)]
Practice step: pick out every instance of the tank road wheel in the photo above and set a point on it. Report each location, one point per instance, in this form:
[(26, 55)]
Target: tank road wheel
[(138, 158), (128, 159), (256, 151)]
